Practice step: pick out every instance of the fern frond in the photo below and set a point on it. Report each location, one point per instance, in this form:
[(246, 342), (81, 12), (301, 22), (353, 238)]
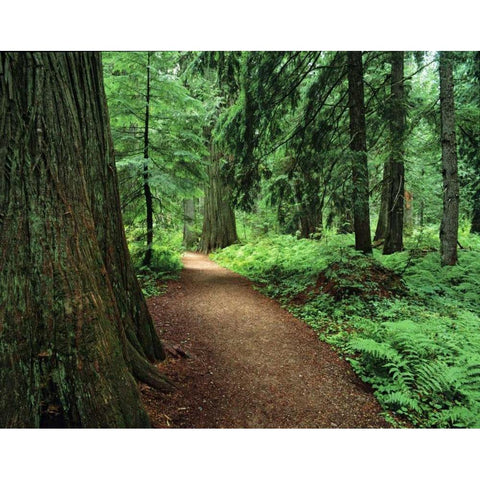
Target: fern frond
[(375, 350), (437, 378), (401, 374), (398, 400), (456, 416)]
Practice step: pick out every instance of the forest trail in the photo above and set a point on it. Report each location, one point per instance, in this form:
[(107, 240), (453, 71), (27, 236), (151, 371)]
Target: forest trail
[(251, 364)]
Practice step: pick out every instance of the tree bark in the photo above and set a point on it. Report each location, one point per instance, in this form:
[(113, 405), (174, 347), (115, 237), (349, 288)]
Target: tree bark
[(449, 225), (219, 228), (408, 215), (382, 214), (71, 310), (475, 226), (358, 146), (396, 170)]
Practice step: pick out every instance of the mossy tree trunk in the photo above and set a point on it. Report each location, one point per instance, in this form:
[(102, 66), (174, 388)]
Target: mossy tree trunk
[(449, 225), (219, 227), (396, 170), (74, 327), (358, 147)]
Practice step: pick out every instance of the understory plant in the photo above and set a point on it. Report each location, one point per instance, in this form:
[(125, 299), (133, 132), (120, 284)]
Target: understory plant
[(165, 262)]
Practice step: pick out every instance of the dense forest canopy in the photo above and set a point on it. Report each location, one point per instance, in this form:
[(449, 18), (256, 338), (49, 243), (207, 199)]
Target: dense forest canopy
[(279, 124)]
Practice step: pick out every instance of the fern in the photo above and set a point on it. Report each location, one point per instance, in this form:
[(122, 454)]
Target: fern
[(401, 401), (457, 416), (401, 375), (376, 351), (436, 378)]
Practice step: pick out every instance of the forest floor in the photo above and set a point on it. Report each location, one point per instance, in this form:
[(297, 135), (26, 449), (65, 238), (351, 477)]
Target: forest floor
[(241, 361)]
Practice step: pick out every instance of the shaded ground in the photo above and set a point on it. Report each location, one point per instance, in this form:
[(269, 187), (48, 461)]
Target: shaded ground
[(251, 363)]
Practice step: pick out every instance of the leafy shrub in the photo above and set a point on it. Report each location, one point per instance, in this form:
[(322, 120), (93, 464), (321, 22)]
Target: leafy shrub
[(151, 283), (165, 262)]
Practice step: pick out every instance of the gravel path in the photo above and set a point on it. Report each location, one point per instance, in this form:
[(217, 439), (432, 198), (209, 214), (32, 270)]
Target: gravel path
[(251, 364)]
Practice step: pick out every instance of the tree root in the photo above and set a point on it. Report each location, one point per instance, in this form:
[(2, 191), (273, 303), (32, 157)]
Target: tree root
[(148, 373)]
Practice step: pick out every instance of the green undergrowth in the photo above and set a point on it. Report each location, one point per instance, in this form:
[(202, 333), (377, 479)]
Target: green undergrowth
[(165, 263), (409, 327)]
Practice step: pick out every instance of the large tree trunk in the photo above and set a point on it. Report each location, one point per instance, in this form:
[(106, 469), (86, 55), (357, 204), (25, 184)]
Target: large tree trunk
[(358, 146), (449, 225), (394, 232), (74, 327), (219, 228)]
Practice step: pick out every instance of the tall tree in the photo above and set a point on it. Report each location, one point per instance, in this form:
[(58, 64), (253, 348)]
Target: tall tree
[(449, 225), (396, 169), (75, 331), (358, 146), (157, 130), (219, 227)]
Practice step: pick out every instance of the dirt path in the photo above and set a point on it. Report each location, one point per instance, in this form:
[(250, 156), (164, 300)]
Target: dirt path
[(251, 364)]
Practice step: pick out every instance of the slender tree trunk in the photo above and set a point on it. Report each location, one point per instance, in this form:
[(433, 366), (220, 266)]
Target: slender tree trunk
[(421, 210), (382, 214), (219, 228), (74, 327), (449, 225), (394, 233), (358, 146), (342, 205), (408, 217), (147, 259), (475, 227)]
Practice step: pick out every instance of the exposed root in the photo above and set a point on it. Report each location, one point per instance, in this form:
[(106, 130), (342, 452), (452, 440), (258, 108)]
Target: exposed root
[(147, 373)]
